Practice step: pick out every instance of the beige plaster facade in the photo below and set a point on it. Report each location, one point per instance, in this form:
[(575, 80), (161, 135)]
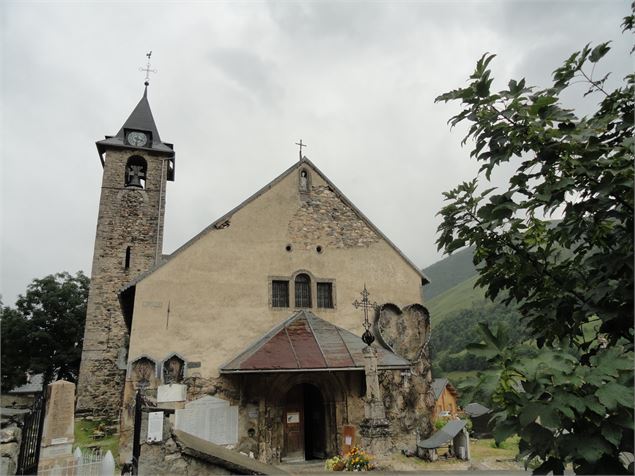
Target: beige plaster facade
[(217, 288), (212, 298)]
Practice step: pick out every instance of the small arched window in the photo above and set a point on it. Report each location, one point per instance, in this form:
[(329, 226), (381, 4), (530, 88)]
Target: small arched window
[(127, 262), (136, 171), (302, 291)]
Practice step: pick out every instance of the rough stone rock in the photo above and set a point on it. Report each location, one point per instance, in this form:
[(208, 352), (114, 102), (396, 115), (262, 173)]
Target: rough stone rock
[(7, 466), (171, 446), (10, 434), (9, 450), (248, 445)]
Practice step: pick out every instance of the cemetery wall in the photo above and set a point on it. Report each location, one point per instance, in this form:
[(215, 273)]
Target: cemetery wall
[(10, 437)]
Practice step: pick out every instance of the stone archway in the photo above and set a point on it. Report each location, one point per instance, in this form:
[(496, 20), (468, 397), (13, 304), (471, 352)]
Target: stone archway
[(310, 406)]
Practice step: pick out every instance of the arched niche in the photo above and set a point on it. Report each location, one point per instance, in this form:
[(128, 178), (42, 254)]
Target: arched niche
[(173, 369), (143, 372), (136, 172)]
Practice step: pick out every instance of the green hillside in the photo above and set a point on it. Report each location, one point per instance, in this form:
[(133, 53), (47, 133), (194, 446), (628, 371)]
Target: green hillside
[(456, 308), (449, 272), (462, 296)]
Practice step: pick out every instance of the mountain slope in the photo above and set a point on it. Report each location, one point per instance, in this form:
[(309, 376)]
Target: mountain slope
[(449, 272), (459, 297)]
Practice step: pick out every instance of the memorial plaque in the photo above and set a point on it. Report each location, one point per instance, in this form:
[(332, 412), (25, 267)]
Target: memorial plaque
[(171, 393), (155, 426), (211, 419)]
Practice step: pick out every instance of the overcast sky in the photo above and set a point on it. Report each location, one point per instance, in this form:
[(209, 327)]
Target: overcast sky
[(238, 84)]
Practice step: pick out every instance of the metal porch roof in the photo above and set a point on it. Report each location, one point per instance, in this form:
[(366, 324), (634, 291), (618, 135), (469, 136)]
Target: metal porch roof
[(445, 434), (305, 342)]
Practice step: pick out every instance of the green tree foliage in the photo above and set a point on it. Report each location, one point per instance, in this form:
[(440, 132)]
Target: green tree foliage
[(450, 339), (45, 330), (569, 395)]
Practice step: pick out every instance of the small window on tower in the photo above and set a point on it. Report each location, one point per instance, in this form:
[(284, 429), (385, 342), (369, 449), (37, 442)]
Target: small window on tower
[(136, 170), (127, 263), (280, 293), (325, 295), (302, 291)]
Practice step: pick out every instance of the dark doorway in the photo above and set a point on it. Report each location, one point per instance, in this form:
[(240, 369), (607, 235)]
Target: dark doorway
[(314, 423), (304, 423)]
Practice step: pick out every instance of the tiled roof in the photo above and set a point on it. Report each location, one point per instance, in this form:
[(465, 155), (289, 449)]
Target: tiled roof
[(306, 342)]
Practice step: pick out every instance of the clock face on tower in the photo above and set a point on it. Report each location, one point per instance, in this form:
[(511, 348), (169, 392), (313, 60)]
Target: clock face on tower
[(137, 139)]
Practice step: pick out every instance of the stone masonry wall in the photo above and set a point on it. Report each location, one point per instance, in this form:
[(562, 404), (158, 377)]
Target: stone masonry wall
[(10, 437), (324, 218), (127, 217)]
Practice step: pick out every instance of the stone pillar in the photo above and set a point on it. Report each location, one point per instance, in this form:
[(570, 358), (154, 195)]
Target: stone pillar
[(58, 434), (374, 428)]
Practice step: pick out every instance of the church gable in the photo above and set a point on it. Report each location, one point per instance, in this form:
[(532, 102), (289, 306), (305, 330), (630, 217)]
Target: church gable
[(315, 215), (325, 217)]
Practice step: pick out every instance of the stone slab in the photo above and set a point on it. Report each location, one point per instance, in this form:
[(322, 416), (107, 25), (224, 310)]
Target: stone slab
[(211, 419), (232, 460), (171, 393), (59, 421)]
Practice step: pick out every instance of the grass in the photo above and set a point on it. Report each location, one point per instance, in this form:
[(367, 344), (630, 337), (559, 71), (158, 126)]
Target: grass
[(484, 455), (84, 430)]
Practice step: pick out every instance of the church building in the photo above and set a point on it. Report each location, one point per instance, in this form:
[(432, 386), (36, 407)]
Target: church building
[(262, 313)]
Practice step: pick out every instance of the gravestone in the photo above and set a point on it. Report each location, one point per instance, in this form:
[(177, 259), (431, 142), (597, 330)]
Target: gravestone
[(59, 427), (171, 393), (211, 419)]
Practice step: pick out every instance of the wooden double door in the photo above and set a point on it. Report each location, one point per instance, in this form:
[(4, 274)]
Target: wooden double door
[(304, 423)]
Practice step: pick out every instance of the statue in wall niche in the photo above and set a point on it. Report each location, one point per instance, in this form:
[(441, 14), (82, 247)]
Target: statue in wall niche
[(173, 370), (304, 181), (143, 371)]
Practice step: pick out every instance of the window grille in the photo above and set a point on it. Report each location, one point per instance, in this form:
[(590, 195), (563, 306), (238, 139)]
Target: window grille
[(325, 295), (280, 293), (302, 291)]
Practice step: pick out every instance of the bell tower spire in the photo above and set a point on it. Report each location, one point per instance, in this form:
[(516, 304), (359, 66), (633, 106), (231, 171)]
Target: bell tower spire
[(137, 165)]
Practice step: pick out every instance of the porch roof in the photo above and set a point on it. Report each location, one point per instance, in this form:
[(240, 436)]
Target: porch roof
[(305, 342)]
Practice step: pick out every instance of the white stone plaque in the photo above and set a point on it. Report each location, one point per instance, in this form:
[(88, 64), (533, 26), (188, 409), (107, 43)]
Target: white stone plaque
[(348, 440), (210, 419), (155, 426), (171, 393)]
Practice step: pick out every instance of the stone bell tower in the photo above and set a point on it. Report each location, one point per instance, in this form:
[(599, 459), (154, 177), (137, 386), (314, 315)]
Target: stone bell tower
[(136, 167)]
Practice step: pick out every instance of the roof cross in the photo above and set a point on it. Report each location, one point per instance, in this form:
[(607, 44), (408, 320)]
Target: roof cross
[(147, 69), (301, 145)]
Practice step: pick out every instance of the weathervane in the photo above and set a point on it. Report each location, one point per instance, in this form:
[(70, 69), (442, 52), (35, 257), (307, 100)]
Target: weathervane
[(301, 145), (147, 69), (365, 304)]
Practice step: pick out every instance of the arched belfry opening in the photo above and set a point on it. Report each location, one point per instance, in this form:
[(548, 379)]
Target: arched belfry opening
[(304, 423), (136, 172)]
